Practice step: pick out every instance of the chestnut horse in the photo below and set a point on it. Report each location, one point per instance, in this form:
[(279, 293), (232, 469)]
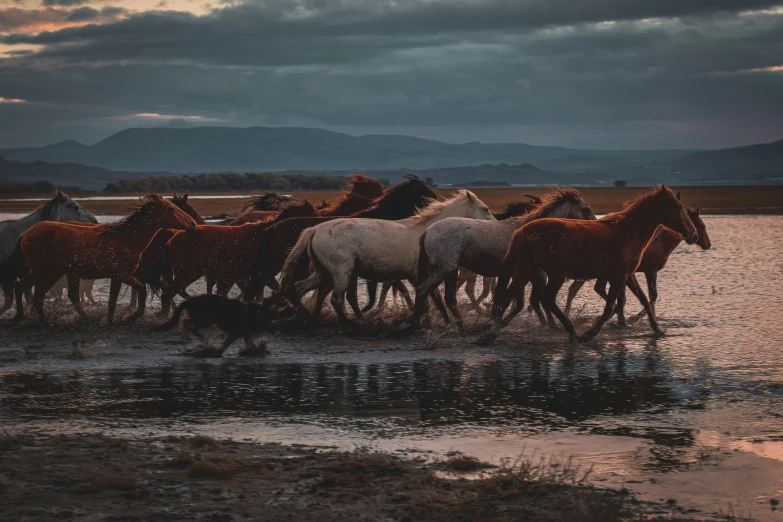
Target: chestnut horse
[(224, 255), (653, 261), (52, 250), (548, 251)]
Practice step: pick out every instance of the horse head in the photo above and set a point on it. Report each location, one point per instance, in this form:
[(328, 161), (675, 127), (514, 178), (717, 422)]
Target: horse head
[(162, 213), (672, 213), (63, 208), (305, 209), (367, 187), (704, 239), (187, 208)]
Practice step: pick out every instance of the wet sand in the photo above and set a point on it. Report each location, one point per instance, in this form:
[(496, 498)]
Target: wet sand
[(713, 199)]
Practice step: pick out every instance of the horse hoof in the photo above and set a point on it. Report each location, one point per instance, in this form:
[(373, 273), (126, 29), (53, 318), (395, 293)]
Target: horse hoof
[(585, 338), (659, 333), (205, 352)]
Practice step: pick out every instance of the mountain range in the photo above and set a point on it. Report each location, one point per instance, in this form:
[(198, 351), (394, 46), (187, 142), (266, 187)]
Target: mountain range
[(143, 151)]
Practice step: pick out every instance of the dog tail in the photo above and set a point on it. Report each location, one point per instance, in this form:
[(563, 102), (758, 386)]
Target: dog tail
[(174, 321)]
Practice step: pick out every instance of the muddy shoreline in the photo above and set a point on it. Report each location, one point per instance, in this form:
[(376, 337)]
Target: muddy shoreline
[(94, 477)]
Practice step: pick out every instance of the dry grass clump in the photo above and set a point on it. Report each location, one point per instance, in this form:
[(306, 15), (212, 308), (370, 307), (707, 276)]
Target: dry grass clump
[(526, 474), (462, 463)]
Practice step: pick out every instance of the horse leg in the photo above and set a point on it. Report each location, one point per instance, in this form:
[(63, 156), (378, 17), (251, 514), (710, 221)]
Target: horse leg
[(8, 292), (403, 290), (652, 288), (549, 300), (633, 284), (228, 342), (134, 298), (73, 295), (600, 288), (451, 300), (85, 289), (42, 286), (320, 297), (210, 284), (470, 286), (114, 294), (619, 309), (611, 297), (142, 305), (352, 298), (382, 299), (486, 288), (341, 283), (572, 291), (535, 303), (440, 305), (519, 303), (372, 294), (22, 288), (426, 287)]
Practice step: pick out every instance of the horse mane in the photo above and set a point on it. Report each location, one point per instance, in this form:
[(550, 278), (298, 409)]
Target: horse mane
[(348, 199), (436, 206), (47, 207), (139, 214), (635, 204), (393, 194), (553, 199), (359, 180), (267, 201), (293, 209)]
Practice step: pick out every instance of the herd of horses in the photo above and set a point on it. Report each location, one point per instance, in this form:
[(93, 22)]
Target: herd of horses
[(382, 235)]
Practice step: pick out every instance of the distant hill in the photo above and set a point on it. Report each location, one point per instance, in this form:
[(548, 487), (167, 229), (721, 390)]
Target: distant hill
[(134, 153), (259, 149)]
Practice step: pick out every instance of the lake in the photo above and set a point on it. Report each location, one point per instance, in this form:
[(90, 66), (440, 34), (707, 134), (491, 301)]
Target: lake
[(694, 416)]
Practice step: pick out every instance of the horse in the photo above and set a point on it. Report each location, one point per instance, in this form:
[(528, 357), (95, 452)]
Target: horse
[(60, 208), (224, 255), (548, 251), (377, 250), (323, 205), (468, 278), (52, 250), (267, 201), (398, 202), (479, 246), (266, 216), (653, 261)]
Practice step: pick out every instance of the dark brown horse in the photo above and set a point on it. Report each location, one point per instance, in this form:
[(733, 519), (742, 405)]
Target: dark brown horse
[(548, 251), (52, 250), (367, 187), (653, 261)]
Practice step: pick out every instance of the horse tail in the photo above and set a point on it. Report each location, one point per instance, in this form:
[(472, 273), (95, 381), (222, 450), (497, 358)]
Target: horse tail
[(154, 267), (424, 261), (299, 255), (174, 321)]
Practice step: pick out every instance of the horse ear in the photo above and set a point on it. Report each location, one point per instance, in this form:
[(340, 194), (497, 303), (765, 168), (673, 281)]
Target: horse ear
[(60, 194), (678, 195), (471, 196), (697, 211), (663, 187), (185, 198)]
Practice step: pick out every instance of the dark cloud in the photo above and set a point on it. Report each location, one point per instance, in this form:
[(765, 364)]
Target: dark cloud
[(83, 13), (65, 3), (658, 71)]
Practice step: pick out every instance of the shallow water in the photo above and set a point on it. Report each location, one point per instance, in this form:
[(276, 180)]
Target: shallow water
[(695, 415)]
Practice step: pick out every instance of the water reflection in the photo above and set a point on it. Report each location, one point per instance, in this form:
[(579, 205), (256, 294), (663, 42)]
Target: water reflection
[(531, 393)]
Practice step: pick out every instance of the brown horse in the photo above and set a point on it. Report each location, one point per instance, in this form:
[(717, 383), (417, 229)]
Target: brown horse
[(367, 187), (653, 261), (305, 209), (52, 250), (224, 255), (547, 251)]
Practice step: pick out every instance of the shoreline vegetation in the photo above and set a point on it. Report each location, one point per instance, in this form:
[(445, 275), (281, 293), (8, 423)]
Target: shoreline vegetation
[(198, 478), (713, 199)]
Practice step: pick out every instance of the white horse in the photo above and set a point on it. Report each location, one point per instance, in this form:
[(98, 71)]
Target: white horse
[(377, 250), (59, 208), (479, 246)]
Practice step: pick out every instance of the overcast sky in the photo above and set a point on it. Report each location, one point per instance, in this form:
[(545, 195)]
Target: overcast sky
[(579, 73)]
